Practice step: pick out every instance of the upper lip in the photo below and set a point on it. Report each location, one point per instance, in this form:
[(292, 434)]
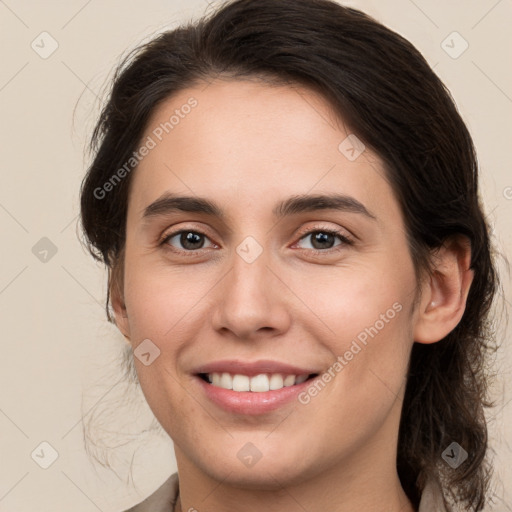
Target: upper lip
[(252, 368)]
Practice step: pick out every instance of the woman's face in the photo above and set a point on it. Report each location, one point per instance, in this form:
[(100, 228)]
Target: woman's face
[(259, 280)]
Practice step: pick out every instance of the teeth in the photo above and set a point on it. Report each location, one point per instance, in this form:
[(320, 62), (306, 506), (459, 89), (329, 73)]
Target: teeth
[(258, 384), (241, 383), (226, 381), (301, 378), (289, 380), (276, 381)]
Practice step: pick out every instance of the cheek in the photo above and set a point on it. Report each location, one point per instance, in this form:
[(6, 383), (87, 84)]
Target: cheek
[(165, 306), (368, 313), (352, 299), (159, 301), (370, 351)]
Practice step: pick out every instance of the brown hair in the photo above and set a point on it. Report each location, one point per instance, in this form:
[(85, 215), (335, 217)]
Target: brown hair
[(383, 88)]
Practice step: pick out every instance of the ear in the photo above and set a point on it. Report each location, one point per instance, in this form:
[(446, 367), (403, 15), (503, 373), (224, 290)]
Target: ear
[(444, 293), (116, 290)]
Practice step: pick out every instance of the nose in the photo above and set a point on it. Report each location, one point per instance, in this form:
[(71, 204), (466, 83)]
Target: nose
[(252, 301)]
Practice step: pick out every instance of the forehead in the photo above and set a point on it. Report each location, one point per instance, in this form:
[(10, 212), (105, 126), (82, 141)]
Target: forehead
[(249, 141), (249, 117)]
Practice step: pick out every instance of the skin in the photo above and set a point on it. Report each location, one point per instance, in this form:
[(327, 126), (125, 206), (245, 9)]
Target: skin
[(246, 146)]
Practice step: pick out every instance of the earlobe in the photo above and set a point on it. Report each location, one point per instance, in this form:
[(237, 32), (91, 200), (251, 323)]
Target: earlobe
[(120, 315), (445, 292), (118, 303)]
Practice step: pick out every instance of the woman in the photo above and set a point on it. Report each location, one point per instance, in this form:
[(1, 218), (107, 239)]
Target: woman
[(287, 202)]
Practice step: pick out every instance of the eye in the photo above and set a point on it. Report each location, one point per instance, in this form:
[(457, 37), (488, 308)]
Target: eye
[(322, 240), (188, 239)]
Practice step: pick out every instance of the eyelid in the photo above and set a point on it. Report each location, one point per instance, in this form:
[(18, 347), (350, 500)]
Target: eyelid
[(324, 227), (346, 239), (172, 233)]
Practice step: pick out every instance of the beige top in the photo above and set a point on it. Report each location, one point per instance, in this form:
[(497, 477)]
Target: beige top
[(165, 497)]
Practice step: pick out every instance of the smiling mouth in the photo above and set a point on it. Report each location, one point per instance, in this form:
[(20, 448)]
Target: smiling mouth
[(261, 383)]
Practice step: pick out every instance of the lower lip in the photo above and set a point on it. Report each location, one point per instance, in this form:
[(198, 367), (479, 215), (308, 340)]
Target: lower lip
[(250, 402)]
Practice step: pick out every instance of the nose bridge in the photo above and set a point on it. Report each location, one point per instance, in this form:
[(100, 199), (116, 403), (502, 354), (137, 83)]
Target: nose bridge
[(250, 297), (250, 274)]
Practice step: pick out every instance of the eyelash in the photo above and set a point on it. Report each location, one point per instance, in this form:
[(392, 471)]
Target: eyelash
[(317, 252), (329, 231)]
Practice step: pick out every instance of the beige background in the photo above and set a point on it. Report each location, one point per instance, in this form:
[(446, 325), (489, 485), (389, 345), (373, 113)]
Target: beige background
[(59, 359)]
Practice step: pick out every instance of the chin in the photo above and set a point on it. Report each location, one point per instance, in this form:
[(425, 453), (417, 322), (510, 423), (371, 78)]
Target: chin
[(261, 472)]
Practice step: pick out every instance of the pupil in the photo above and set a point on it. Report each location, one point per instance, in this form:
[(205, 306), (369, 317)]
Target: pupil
[(189, 239), (325, 240)]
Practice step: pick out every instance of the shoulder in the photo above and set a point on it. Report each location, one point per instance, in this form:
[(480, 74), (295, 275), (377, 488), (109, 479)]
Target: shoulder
[(162, 500), (432, 498)]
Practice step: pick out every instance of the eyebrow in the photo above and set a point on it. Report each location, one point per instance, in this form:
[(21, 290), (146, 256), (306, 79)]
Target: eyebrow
[(310, 203), (171, 203)]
